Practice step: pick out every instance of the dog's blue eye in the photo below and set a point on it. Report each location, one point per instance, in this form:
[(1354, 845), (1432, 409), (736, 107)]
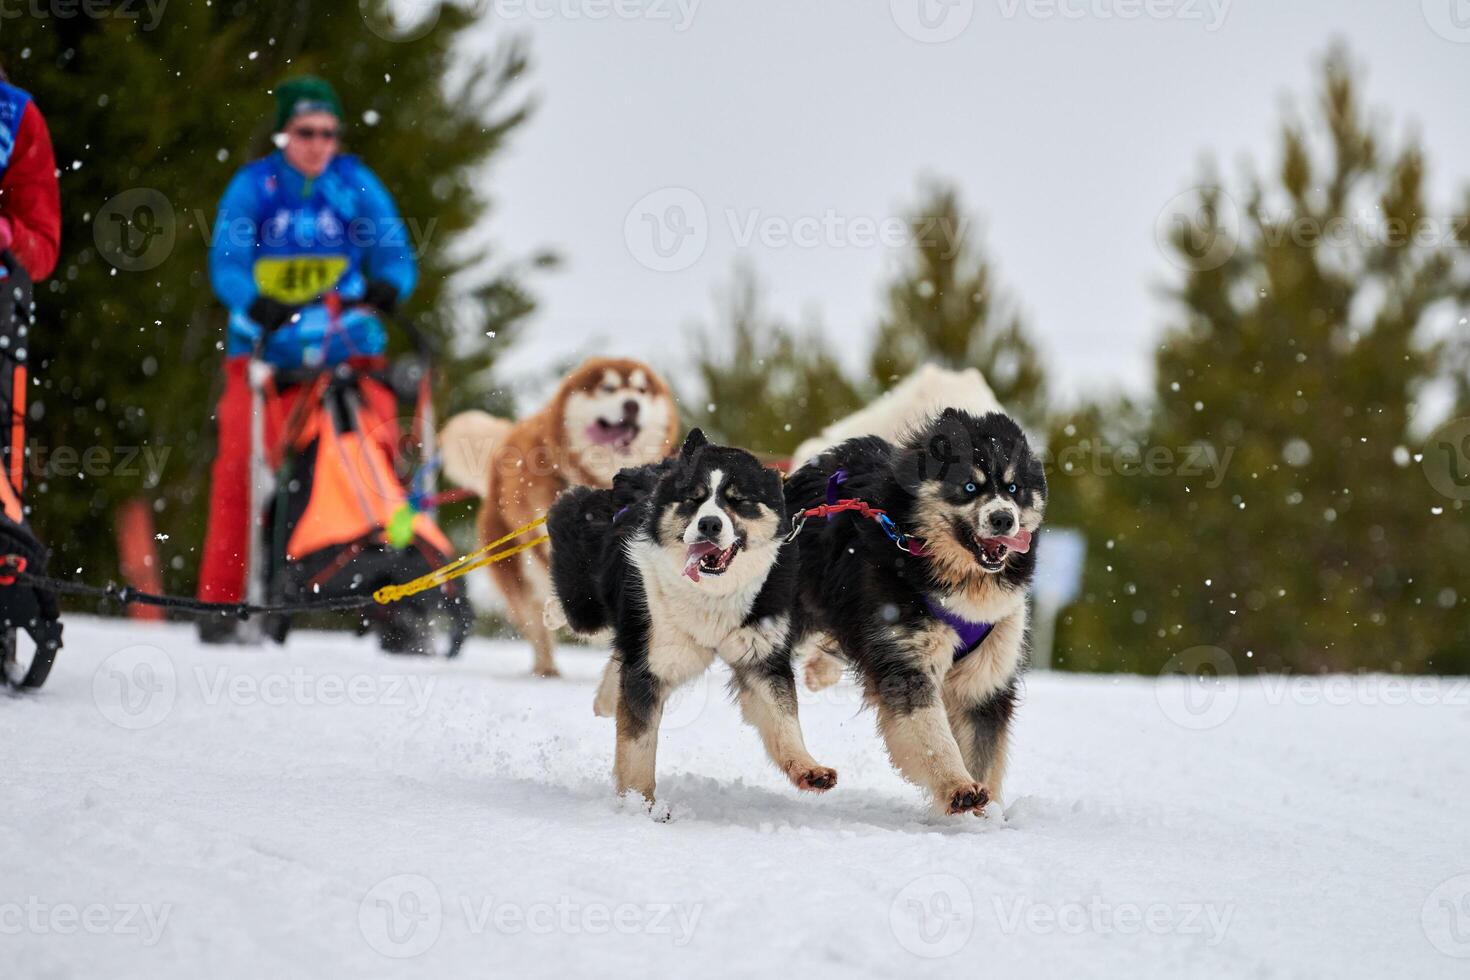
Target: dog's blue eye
[(1012, 489), (970, 488)]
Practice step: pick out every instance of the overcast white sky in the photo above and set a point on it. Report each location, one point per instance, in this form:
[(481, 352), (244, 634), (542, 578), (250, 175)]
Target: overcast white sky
[(1068, 127)]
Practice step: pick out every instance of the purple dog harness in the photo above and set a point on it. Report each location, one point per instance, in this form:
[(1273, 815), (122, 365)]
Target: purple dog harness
[(971, 635)]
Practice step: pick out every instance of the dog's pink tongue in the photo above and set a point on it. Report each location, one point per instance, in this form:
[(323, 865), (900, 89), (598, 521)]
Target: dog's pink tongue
[(620, 435), (1020, 544), (698, 550)]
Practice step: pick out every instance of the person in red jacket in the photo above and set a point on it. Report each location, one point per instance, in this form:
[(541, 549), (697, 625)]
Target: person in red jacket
[(30, 200), (30, 234)]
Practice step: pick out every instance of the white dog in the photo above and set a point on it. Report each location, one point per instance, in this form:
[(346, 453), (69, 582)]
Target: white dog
[(912, 403)]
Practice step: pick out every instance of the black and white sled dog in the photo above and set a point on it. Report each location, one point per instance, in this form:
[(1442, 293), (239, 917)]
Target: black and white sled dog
[(686, 560), (935, 628)]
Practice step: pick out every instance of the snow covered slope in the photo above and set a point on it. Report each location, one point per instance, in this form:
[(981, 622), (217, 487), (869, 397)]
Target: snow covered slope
[(168, 810)]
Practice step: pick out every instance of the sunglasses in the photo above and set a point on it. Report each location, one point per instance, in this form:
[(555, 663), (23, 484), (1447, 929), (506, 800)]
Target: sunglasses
[(312, 133)]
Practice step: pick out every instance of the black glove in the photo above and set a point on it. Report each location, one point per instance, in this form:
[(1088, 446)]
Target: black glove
[(381, 295), (270, 313)]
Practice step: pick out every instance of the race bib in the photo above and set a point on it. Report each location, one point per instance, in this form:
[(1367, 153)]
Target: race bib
[(298, 279)]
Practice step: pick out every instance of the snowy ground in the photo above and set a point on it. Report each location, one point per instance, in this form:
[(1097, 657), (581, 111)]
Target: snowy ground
[(323, 810)]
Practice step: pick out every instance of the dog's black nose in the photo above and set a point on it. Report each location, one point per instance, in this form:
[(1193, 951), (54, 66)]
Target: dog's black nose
[(630, 409), (710, 527), (1001, 522)]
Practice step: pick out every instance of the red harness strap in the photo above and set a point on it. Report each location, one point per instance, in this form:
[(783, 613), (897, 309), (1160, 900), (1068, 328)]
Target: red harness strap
[(905, 542), (837, 507), (10, 567)]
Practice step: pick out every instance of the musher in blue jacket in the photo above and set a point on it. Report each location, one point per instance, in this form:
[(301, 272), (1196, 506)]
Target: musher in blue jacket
[(292, 228)]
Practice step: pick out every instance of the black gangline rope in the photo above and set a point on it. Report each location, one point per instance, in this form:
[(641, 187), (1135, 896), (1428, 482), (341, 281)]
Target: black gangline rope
[(127, 595)]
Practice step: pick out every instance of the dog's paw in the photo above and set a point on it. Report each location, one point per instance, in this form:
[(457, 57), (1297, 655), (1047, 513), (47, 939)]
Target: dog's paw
[(553, 615), (546, 670), (814, 779), (968, 798), (821, 671)]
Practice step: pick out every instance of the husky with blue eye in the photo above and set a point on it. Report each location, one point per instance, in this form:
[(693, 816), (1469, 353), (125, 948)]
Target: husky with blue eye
[(929, 608), (686, 560)]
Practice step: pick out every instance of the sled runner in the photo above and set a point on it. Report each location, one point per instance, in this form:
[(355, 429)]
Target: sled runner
[(336, 517), (25, 660)]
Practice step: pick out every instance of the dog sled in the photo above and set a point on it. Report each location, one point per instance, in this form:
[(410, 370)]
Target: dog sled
[(30, 623), (345, 508)]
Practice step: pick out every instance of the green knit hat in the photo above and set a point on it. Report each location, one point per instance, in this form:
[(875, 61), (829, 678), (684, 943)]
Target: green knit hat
[(302, 94)]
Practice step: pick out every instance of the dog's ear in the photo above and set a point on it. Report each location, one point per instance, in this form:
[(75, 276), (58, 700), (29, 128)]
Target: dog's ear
[(952, 414), (694, 441)]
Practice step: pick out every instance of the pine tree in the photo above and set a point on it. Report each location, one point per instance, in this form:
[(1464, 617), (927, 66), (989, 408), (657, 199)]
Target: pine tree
[(129, 356), (1297, 357), (763, 385), (943, 309)]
